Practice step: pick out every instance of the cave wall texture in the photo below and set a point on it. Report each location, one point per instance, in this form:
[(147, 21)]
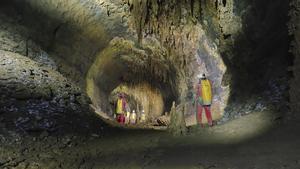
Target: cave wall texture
[(250, 36), (294, 32), (98, 46)]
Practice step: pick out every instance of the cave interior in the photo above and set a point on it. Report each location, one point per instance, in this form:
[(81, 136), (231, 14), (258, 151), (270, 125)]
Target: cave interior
[(64, 63)]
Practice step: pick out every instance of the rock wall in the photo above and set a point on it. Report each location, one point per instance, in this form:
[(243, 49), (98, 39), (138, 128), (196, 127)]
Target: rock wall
[(72, 32), (36, 98), (34, 95), (257, 56), (294, 31)]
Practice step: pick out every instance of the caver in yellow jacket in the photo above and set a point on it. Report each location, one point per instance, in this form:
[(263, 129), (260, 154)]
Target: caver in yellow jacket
[(204, 93), (119, 106)]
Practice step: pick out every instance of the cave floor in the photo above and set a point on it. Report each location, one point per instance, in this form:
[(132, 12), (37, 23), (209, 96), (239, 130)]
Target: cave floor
[(220, 147)]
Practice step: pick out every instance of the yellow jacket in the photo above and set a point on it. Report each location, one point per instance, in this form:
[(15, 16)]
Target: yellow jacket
[(119, 106), (204, 93)]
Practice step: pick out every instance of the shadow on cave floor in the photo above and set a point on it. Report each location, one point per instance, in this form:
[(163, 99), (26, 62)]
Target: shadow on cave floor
[(219, 147), (264, 152)]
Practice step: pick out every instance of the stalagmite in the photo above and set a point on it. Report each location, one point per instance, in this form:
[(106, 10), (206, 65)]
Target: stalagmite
[(177, 122)]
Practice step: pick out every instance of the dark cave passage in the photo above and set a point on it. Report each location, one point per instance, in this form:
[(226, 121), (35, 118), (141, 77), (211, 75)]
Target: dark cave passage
[(130, 72)]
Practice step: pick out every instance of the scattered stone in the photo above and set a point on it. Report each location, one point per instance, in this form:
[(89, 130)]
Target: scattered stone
[(163, 120), (95, 135)]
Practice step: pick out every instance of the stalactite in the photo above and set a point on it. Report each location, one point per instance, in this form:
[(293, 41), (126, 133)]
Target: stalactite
[(172, 23), (156, 16)]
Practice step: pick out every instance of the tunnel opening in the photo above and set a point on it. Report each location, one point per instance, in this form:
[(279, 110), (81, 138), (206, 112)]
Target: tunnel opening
[(123, 67), (139, 98)]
